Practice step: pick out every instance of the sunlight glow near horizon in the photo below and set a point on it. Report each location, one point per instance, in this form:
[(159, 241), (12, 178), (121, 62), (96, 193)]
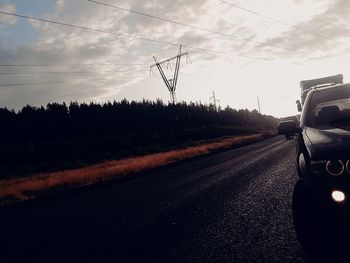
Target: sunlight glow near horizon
[(237, 81)]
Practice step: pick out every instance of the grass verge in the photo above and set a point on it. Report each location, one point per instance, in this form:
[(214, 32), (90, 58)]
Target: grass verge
[(14, 190)]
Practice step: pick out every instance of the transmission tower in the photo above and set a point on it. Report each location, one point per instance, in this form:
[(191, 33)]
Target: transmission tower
[(257, 98), (172, 82), (214, 100)]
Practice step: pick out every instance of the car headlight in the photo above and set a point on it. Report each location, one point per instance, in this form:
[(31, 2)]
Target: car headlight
[(330, 167), (335, 167)]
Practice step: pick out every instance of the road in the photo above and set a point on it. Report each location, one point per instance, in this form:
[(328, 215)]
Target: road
[(232, 206)]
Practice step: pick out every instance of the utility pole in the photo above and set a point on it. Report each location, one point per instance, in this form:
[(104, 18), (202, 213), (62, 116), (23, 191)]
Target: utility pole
[(257, 98), (214, 100), (170, 83)]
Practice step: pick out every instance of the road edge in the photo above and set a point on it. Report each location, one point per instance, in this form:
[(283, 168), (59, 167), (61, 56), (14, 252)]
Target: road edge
[(61, 193)]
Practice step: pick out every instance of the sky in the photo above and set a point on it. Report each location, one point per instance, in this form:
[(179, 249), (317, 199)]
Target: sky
[(240, 49)]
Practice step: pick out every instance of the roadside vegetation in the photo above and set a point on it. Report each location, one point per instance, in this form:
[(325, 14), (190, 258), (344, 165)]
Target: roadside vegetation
[(17, 189), (60, 136)]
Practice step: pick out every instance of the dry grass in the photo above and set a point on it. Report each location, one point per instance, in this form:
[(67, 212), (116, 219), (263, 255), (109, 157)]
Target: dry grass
[(25, 188)]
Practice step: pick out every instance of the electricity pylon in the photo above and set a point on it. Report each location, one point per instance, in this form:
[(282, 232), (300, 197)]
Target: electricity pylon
[(214, 100), (170, 83), (257, 98)]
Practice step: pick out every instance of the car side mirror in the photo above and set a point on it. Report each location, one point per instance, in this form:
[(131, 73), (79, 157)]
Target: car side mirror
[(299, 107), (288, 128)]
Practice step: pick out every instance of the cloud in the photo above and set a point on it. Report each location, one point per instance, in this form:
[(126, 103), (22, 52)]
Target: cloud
[(324, 35), (59, 4), (8, 19), (98, 55), (57, 45)]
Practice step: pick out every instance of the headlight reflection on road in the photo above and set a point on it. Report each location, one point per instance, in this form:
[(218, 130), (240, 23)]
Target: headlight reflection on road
[(338, 196)]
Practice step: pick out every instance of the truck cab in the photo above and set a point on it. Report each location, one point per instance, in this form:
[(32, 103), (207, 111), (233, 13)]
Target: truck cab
[(321, 197)]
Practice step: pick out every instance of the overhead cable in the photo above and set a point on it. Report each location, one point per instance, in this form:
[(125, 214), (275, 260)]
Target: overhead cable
[(128, 35), (193, 26)]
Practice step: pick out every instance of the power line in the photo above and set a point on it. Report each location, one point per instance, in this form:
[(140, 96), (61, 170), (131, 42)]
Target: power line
[(32, 83), (48, 72), (206, 67), (282, 22), (67, 72), (104, 31), (60, 81), (189, 83), (70, 65), (197, 76), (124, 35), (191, 26), (95, 72), (86, 28)]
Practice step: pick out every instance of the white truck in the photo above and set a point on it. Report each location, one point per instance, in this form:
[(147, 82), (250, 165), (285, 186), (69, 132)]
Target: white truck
[(307, 85)]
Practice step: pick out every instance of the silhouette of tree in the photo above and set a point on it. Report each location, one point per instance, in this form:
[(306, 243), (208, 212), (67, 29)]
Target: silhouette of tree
[(59, 134)]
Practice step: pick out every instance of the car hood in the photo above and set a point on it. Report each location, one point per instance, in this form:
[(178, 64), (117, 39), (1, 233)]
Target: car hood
[(328, 144)]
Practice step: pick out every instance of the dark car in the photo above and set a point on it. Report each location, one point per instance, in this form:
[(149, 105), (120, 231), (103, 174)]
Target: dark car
[(321, 197)]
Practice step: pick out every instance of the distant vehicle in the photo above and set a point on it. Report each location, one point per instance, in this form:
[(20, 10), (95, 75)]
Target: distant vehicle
[(321, 197)]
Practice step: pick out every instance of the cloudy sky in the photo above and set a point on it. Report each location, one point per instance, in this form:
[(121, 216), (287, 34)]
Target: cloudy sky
[(242, 51)]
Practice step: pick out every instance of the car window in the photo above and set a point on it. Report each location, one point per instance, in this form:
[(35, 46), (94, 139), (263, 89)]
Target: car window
[(330, 109)]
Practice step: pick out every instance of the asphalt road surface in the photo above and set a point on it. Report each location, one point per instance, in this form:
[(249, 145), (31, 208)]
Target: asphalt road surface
[(232, 206)]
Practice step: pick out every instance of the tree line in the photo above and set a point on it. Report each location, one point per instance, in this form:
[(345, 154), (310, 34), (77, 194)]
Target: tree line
[(87, 132)]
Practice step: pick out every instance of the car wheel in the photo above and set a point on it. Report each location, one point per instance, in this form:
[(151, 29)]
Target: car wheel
[(324, 240), (307, 226)]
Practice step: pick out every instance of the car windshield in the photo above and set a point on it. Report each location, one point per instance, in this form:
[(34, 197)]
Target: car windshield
[(330, 108)]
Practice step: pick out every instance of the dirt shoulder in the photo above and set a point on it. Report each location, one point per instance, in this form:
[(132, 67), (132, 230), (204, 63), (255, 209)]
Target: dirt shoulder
[(14, 190)]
